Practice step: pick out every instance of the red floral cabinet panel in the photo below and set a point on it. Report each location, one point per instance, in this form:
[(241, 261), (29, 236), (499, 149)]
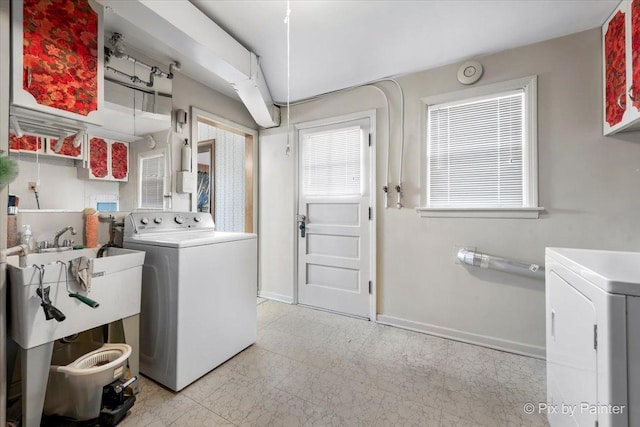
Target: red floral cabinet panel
[(621, 66), (108, 160), (58, 56), (119, 160), (67, 150), (635, 53), (98, 158), (26, 143), (615, 69)]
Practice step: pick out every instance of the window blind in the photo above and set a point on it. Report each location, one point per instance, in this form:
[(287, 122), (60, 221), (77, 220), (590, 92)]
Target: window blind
[(152, 182), (475, 152), (331, 162)]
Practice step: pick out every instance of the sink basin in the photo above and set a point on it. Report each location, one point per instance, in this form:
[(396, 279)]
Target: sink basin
[(115, 285), (612, 271)]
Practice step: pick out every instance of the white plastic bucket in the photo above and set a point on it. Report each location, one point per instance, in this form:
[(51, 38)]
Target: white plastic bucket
[(75, 390)]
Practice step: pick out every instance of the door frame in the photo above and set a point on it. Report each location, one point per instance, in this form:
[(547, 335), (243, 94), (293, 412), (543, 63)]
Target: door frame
[(367, 114), (197, 113)]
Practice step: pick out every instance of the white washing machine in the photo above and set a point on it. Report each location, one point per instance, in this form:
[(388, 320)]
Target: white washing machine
[(199, 290)]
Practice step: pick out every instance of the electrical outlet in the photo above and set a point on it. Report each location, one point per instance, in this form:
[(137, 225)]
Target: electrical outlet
[(33, 186)]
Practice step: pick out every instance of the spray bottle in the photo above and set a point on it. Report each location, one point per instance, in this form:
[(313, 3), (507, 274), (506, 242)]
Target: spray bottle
[(186, 157), (27, 236)]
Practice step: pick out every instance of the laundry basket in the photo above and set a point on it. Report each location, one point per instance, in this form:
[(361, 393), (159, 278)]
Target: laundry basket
[(75, 390)]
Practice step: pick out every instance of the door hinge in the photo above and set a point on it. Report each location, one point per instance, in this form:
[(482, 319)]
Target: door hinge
[(595, 337), (369, 140), (370, 287), (370, 213)]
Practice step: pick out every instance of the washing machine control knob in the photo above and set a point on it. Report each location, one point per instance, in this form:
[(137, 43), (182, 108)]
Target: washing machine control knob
[(144, 220), (157, 220), (196, 219), (179, 219)]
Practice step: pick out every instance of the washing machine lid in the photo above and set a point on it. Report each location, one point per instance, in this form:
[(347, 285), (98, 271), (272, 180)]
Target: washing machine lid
[(187, 239)]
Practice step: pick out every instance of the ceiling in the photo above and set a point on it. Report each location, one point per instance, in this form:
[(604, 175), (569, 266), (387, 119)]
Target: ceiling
[(337, 44)]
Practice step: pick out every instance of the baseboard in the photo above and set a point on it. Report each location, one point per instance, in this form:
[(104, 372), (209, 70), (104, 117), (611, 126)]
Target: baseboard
[(468, 337), (277, 297)]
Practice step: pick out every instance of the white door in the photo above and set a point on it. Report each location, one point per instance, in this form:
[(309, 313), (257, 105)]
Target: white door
[(334, 231)]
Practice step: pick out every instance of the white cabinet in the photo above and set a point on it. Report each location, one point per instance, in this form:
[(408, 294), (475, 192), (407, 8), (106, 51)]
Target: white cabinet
[(593, 337), (58, 58), (621, 68), (108, 160)]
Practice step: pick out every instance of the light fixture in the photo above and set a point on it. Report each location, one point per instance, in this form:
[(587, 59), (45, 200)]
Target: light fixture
[(181, 120), (78, 137), (16, 126), (150, 141), (58, 146)]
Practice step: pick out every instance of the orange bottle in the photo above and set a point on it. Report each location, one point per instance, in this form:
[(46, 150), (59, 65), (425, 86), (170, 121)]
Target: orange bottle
[(91, 231)]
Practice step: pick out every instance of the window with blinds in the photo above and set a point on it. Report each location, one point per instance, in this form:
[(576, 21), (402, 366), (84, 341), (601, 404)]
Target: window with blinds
[(331, 162), (152, 181), (479, 152)]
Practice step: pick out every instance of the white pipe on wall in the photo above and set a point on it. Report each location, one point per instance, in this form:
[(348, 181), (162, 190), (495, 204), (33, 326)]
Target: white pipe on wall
[(481, 260)]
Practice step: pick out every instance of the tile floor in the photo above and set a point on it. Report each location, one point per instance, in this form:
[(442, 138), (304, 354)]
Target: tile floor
[(318, 369)]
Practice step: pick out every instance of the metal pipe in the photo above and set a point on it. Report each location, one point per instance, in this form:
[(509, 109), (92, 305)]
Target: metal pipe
[(385, 187), (481, 260), (134, 79), (118, 51), (399, 185)]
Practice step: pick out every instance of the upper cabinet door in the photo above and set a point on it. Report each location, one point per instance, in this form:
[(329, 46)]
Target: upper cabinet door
[(66, 149), (26, 143), (120, 161), (633, 53), (58, 58), (615, 69), (108, 160)]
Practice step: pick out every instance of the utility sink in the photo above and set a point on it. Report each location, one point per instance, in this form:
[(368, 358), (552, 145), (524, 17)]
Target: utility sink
[(115, 285), (614, 272)]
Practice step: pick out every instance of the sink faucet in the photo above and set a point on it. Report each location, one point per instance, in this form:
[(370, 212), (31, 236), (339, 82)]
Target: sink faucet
[(56, 243)]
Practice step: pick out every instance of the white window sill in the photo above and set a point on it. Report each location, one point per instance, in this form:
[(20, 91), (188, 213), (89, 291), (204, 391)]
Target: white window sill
[(527, 213)]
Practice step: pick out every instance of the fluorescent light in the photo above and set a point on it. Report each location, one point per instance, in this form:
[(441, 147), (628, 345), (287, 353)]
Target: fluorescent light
[(77, 139), (16, 126), (58, 146)]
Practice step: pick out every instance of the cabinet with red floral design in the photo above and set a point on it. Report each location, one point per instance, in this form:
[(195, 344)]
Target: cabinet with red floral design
[(108, 160), (621, 68), (69, 148), (26, 143), (58, 57), (46, 146)]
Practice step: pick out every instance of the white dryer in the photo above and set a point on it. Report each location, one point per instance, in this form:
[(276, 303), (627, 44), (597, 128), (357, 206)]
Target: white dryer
[(199, 290), (593, 338)]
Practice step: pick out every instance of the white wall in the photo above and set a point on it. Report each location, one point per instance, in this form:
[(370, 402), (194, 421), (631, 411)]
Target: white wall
[(60, 187), (276, 216), (587, 183)]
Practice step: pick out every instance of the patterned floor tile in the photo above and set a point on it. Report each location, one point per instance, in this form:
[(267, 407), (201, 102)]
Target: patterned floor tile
[(201, 417), (315, 368)]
